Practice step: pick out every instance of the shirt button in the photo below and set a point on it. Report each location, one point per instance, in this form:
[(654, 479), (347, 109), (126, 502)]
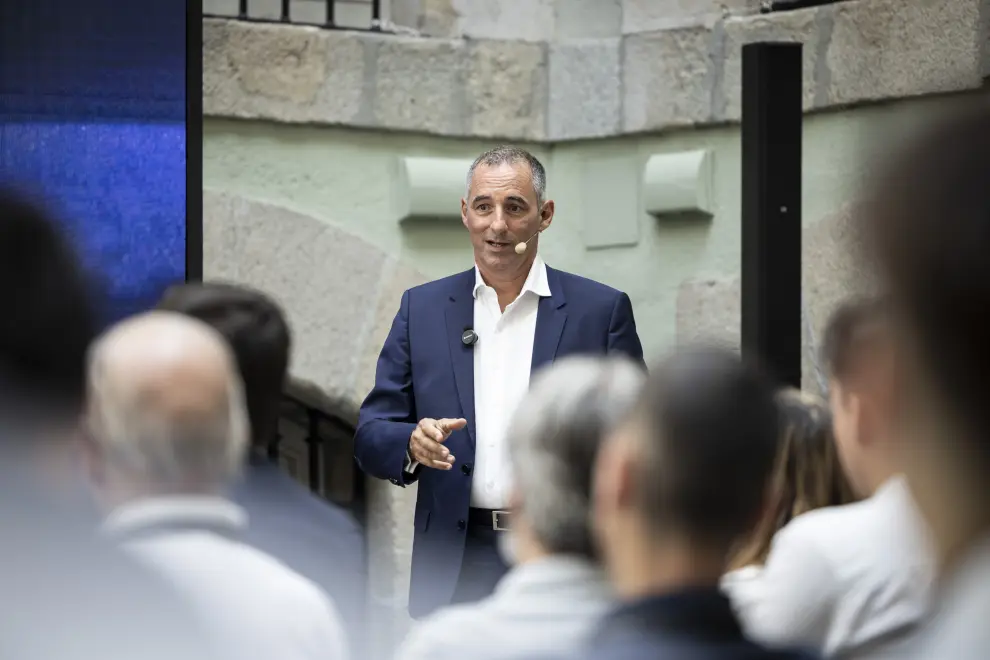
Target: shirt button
[(466, 468), (461, 525)]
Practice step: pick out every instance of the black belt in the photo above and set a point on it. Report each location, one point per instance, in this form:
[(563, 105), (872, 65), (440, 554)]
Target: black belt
[(490, 519)]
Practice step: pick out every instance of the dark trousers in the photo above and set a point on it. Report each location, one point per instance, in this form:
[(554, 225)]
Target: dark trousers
[(482, 566)]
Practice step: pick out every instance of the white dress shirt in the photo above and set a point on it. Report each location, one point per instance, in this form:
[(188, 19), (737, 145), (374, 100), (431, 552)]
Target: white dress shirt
[(255, 606), (502, 360), (503, 357), (852, 581), (545, 608)]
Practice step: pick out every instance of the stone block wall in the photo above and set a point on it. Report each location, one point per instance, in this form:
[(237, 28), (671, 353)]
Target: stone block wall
[(551, 70)]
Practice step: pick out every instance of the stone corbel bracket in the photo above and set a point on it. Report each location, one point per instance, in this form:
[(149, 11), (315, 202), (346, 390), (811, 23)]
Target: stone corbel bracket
[(679, 184), (428, 188)]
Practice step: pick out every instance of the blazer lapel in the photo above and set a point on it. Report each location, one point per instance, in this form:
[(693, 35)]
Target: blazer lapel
[(550, 319), (460, 316)]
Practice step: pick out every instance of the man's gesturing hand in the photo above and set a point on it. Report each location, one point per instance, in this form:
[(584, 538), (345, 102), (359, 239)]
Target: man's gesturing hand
[(425, 443)]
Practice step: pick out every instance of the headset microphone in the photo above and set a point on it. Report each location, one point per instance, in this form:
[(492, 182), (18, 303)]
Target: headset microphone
[(521, 246)]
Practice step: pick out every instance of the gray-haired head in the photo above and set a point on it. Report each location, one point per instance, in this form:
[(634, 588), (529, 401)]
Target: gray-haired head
[(554, 438), (166, 408), (507, 154)]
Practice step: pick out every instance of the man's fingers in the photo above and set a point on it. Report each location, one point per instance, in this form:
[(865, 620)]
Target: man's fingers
[(432, 429), (450, 425), (430, 450), (443, 465)]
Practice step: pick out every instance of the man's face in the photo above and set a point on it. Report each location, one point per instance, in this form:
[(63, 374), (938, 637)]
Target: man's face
[(500, 211)]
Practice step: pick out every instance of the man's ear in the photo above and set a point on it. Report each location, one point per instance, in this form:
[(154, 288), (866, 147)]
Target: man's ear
[(546, 214), (464, 208)]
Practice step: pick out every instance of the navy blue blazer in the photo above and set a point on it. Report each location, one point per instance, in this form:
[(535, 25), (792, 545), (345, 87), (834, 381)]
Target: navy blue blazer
[(313, 537), (692, 624), (425, 370)]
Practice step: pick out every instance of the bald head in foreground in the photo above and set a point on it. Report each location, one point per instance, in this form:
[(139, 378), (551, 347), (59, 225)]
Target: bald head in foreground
[(166, 409), (169, 431)]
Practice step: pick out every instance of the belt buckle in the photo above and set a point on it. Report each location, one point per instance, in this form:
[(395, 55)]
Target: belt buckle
[(496, 525)]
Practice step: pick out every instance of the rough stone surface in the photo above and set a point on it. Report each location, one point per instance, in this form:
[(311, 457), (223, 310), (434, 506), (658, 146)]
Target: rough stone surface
[(420, 85), (892, 48), (314, 270), (709, 311), (438, 18), (520, 20), (650, 15), (831, 273), (536, 70), (585, 90), (794, 26), (583, 19), (290, 74), (397, 278), (667, 78), (507, 89)]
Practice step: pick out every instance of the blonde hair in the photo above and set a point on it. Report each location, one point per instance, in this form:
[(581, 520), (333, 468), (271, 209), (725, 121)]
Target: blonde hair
[(807, 475)]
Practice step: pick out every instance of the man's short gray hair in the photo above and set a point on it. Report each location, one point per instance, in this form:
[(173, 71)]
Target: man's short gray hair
[(205, 451), (509, 155), (554, 438)]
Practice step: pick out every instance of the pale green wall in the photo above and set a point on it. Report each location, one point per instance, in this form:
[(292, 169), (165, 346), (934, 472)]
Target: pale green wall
[(344, 177)]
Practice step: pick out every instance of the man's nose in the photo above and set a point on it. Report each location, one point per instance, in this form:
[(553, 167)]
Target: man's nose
[(498, 221)]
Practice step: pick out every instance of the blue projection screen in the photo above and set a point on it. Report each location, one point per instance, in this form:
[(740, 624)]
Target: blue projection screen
[(92, 117)]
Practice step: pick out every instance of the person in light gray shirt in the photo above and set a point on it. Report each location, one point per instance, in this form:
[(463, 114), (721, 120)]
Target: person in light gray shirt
[(168, 429), (850, 581), (549, 601)]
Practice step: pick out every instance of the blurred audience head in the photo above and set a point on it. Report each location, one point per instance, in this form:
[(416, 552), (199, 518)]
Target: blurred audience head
[(554, 438), (928, 230), (857, 352), (47, 323), (807, 474), (165, 413), (255, 328), (686, 473)]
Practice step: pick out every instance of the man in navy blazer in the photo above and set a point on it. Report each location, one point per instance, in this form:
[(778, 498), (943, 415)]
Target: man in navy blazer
[(456, 363)]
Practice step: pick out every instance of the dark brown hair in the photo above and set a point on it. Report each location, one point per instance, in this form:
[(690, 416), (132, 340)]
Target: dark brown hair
[(255, 327), (851, 328), (711, 428), (807, 474)]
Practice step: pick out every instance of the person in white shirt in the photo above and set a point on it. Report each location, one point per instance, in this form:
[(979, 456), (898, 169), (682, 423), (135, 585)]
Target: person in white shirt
[(929, 226), (851, 581), (556, 591), (167, 430), (456, 363), (807, 476)]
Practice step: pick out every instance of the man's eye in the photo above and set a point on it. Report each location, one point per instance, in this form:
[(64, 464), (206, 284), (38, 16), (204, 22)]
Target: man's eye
[(482, 207)]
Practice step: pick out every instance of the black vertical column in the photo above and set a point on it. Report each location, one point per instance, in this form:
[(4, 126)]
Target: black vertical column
[(771, 207), (194, 140)]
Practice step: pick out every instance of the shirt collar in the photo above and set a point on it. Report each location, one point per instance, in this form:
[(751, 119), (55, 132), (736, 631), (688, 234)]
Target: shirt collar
[(702, 612), (536, 280), (555, 573), (175, 513)]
